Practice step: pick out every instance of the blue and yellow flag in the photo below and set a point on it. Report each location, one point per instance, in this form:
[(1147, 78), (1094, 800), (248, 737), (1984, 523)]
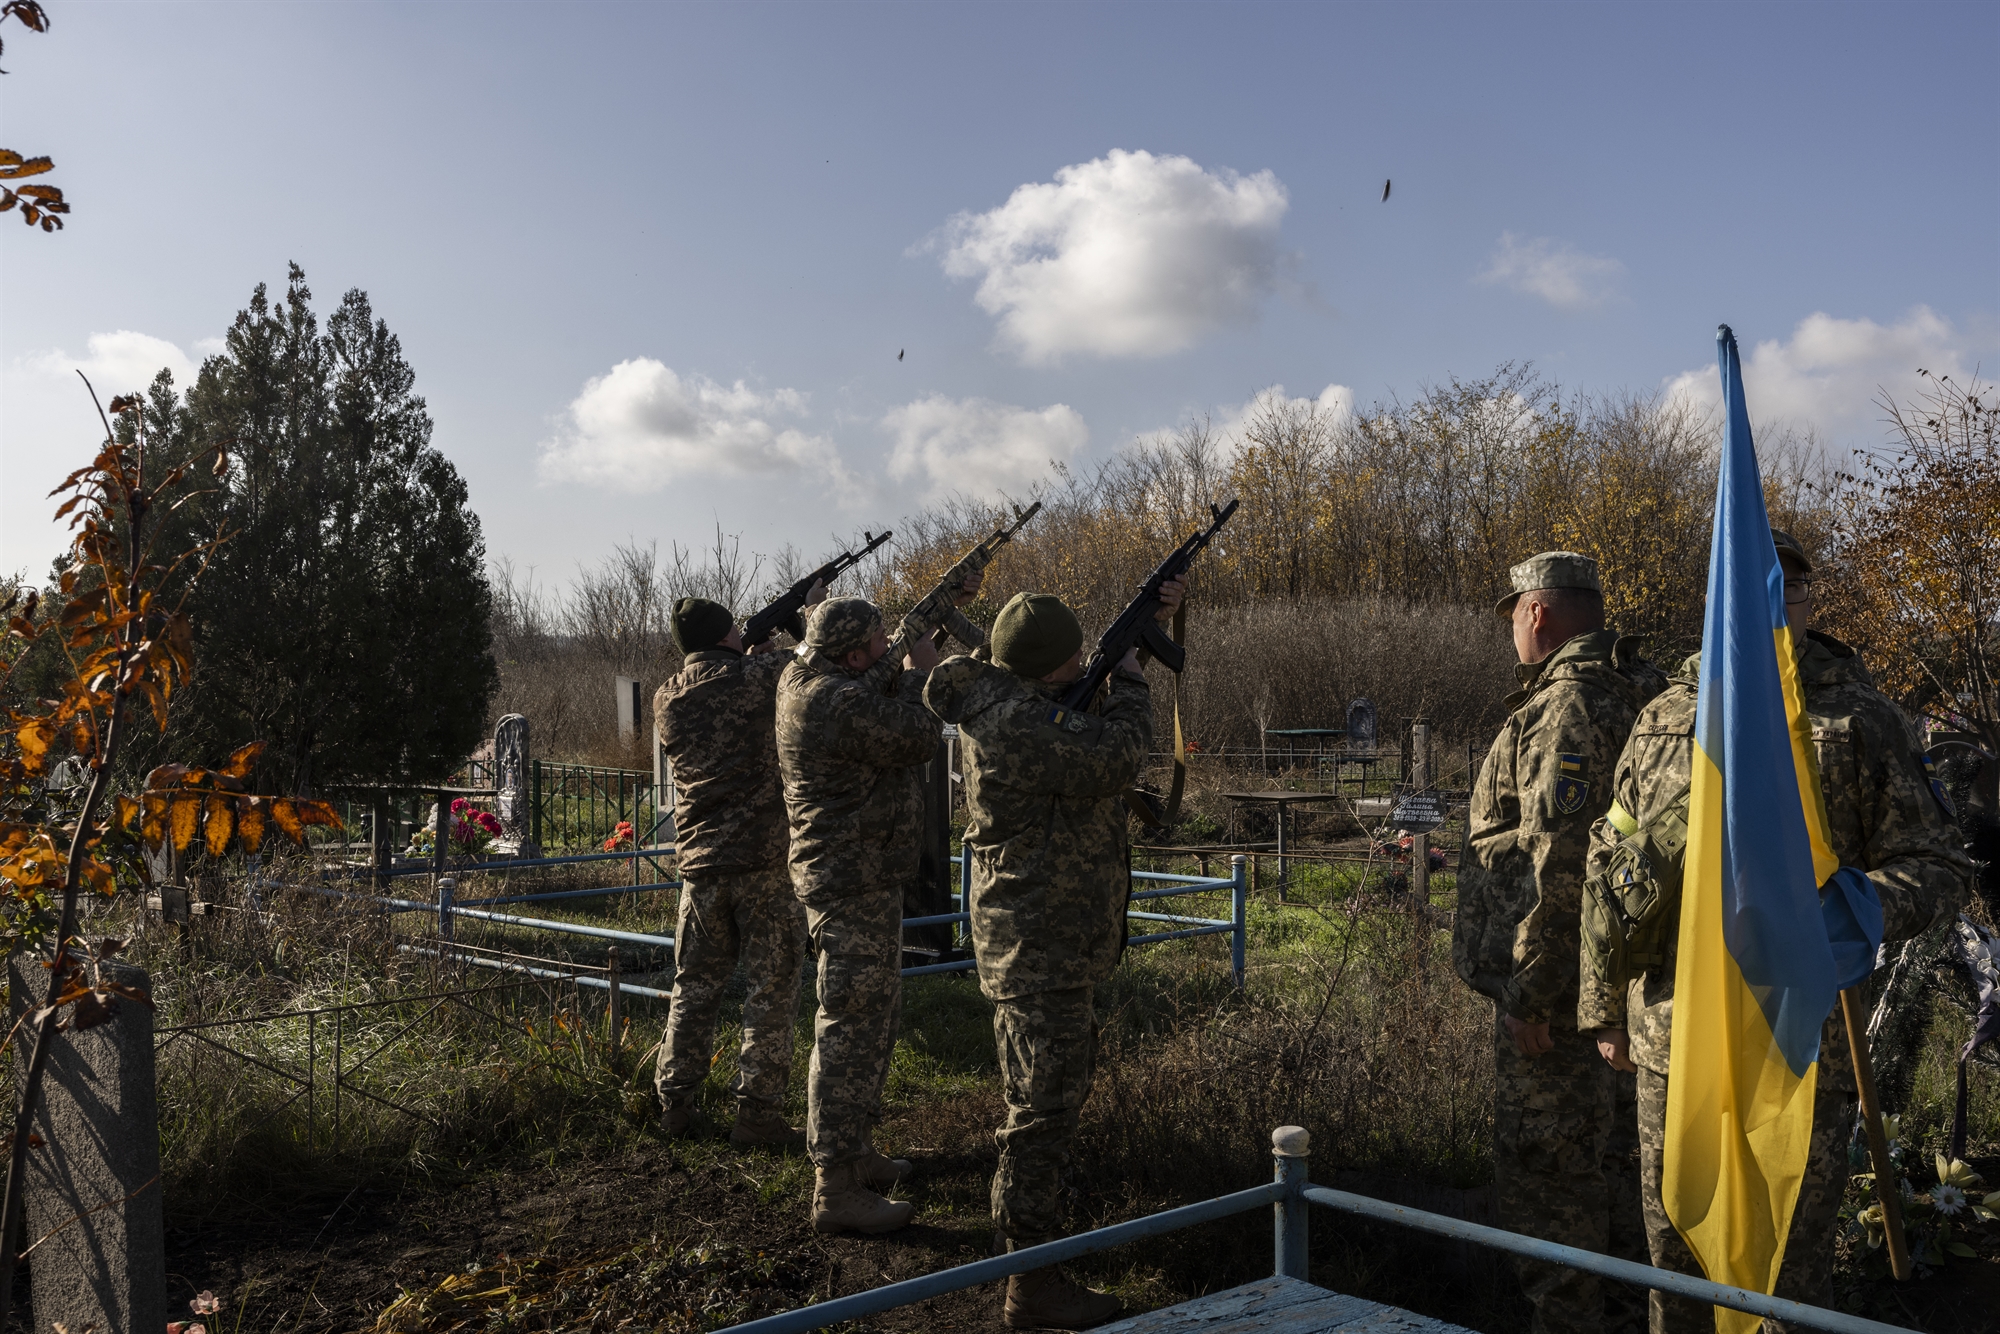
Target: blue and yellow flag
[(1756, 975)]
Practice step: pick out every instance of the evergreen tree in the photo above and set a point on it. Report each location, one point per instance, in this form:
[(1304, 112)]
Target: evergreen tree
[(345, 619)]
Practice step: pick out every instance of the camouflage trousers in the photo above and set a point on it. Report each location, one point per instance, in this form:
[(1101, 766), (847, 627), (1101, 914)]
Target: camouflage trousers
[(1806, 1273), (724, 916), (858, 944), (1566, 1169), (1047, 1045)]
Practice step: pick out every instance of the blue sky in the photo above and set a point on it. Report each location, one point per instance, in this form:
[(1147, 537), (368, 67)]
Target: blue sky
[(653, 263)]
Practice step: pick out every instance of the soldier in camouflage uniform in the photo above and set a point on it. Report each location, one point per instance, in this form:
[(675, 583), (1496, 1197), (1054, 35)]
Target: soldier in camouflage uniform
[(1884, 819), (851, 731), (1045, 829), (1565, 1160), (715, 720)]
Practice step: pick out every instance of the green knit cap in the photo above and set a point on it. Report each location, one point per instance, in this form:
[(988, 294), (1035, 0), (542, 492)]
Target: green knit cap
[(1034, 634), (698, 623)]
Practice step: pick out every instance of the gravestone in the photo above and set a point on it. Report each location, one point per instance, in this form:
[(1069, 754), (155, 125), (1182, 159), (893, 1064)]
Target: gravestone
[(1361, 725), (514, 790), (93, 1185)]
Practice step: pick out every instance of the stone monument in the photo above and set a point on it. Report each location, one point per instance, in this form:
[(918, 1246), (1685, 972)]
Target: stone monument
[(514, 791)]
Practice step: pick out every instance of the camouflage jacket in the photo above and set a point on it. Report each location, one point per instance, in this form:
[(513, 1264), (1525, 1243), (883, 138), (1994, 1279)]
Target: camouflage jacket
[(1884, 817), (848, 748), (716, 719), (1547, 777), (1045, 822)]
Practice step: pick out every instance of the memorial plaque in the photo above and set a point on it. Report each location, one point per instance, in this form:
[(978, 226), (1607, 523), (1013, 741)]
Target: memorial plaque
[(1421, 810)]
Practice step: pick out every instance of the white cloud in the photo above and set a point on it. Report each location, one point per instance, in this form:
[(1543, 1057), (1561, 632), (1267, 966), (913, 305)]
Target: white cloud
[(976, 445), (642, 426), (48, 426), (1828, 375), (1553, 270), (1336, 401), (1130, 255), (117, 363)]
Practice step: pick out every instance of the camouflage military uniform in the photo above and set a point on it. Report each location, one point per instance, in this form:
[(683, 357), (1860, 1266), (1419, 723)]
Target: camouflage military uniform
[(847, 746), (1885, 820), (716, 724), (1565, 1164), (1046, 831)]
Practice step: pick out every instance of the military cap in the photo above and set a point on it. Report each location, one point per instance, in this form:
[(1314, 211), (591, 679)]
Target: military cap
[(841, 625), (1034, 634), (698, 623), (1789, 546), (1551, 569)]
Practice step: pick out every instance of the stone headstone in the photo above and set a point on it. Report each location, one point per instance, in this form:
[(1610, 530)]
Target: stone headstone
[(96, 1177), (511, 779), (1361, 725)]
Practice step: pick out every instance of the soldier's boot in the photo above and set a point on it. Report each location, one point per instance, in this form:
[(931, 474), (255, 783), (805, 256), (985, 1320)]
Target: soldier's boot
[(760, 1127), (676, 1118), (880, 1173), (1047, 1299), (842, 1204)]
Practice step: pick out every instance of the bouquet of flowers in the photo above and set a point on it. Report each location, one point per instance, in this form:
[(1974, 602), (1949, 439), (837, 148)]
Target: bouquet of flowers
[(621, 837), (472, 831)]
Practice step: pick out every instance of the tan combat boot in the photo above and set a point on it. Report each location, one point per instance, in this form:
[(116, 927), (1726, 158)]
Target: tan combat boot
[(880, 1173), (765, 1128), (1046, 1299), (842, 1204)]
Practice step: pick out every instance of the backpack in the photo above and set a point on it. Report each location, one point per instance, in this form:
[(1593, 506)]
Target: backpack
[(1632, 907)]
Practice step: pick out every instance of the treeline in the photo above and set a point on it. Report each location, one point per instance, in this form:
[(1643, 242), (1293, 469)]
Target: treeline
[(1363, 562)]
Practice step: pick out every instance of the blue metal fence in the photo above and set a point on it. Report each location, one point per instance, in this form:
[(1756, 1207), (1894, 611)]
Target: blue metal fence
[(1289, 1193), (448, 909)]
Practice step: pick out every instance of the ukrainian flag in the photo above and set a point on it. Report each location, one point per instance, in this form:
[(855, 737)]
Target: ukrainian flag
[(1756, 976)]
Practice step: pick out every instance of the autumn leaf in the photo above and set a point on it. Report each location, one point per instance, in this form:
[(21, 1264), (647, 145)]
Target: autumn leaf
[(219, 825), (34, 738), (250, 823), (285, 814), (153, 830), (242, 761), (184, 815)]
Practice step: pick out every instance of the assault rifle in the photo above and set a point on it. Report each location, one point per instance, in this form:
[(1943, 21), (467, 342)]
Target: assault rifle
[(1135, 625), (973, 562), (783, 614)]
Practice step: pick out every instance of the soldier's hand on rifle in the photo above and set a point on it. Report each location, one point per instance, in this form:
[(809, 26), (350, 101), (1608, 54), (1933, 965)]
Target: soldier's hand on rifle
[(923, 655), (1171, 593), (817, 593), (1615, 1046), (968, 590)]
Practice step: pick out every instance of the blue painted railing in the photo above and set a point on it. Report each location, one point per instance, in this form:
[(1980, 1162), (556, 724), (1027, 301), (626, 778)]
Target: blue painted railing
[(448, 909), (1289, 1194)]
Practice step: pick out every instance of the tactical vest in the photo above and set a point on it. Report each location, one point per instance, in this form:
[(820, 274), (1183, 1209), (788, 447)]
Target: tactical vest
[(1632, 907)]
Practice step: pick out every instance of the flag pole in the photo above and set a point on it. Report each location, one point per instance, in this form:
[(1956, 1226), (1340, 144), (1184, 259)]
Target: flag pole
[(1888, 1188)]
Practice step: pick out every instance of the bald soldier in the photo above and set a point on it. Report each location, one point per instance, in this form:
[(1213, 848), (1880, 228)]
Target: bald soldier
[(1564, 1151), (1884, 819), (852, 730), (715, 718)]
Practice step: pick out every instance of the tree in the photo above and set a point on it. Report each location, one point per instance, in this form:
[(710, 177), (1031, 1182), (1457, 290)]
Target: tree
[(1918, 539), (350, 603)]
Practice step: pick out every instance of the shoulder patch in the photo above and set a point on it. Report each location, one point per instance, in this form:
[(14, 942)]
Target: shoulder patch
[(1938, 789), (1069, 720), (1572, 789)]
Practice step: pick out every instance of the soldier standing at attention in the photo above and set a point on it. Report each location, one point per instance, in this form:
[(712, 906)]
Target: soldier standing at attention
[(1884, 817), (851, 730), (716, 725), (1046, 832), (1564, 1148)]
